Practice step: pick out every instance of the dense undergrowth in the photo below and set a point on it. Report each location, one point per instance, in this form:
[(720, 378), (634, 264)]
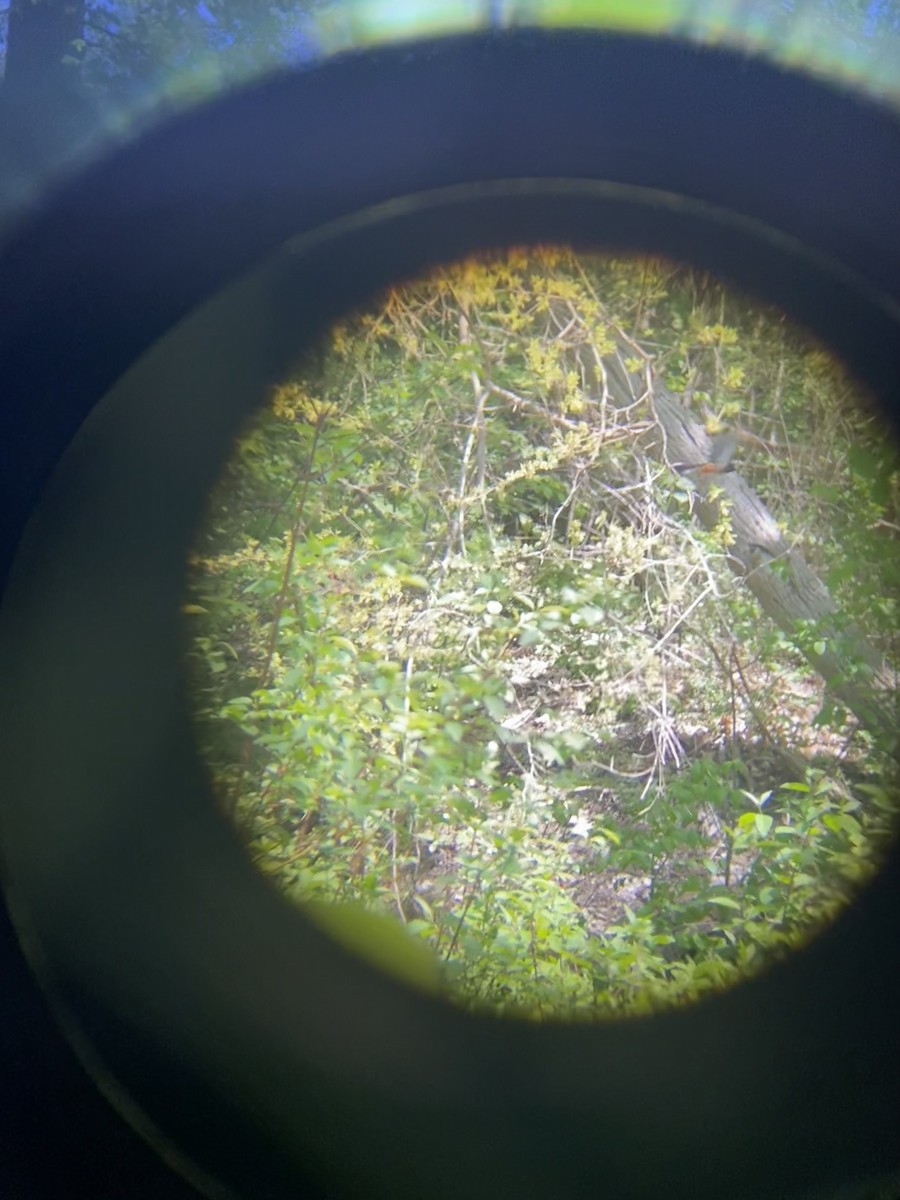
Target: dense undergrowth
[(460, 654)]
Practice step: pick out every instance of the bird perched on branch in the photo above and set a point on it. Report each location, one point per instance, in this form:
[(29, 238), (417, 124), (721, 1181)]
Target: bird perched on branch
[(721, 453)]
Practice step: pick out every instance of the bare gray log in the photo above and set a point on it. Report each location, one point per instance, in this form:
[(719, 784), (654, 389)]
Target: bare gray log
[(788, 590)]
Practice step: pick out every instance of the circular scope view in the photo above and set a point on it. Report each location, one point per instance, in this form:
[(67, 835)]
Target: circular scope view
[(543, 635)]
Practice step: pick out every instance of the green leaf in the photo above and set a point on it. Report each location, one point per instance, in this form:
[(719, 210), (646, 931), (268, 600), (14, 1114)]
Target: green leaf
[(842, 823), (590, 615), (605, 832), (879, 797), (342, 643), (530, 635), (548, 752)]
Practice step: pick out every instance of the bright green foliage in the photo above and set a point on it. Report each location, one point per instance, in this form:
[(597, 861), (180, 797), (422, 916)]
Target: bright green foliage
[(461, 656)]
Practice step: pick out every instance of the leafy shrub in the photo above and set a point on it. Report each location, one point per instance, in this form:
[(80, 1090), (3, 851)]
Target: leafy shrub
[(461, 658)]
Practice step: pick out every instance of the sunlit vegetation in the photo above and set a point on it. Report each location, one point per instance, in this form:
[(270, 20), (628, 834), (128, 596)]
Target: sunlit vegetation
[(463, 654)]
